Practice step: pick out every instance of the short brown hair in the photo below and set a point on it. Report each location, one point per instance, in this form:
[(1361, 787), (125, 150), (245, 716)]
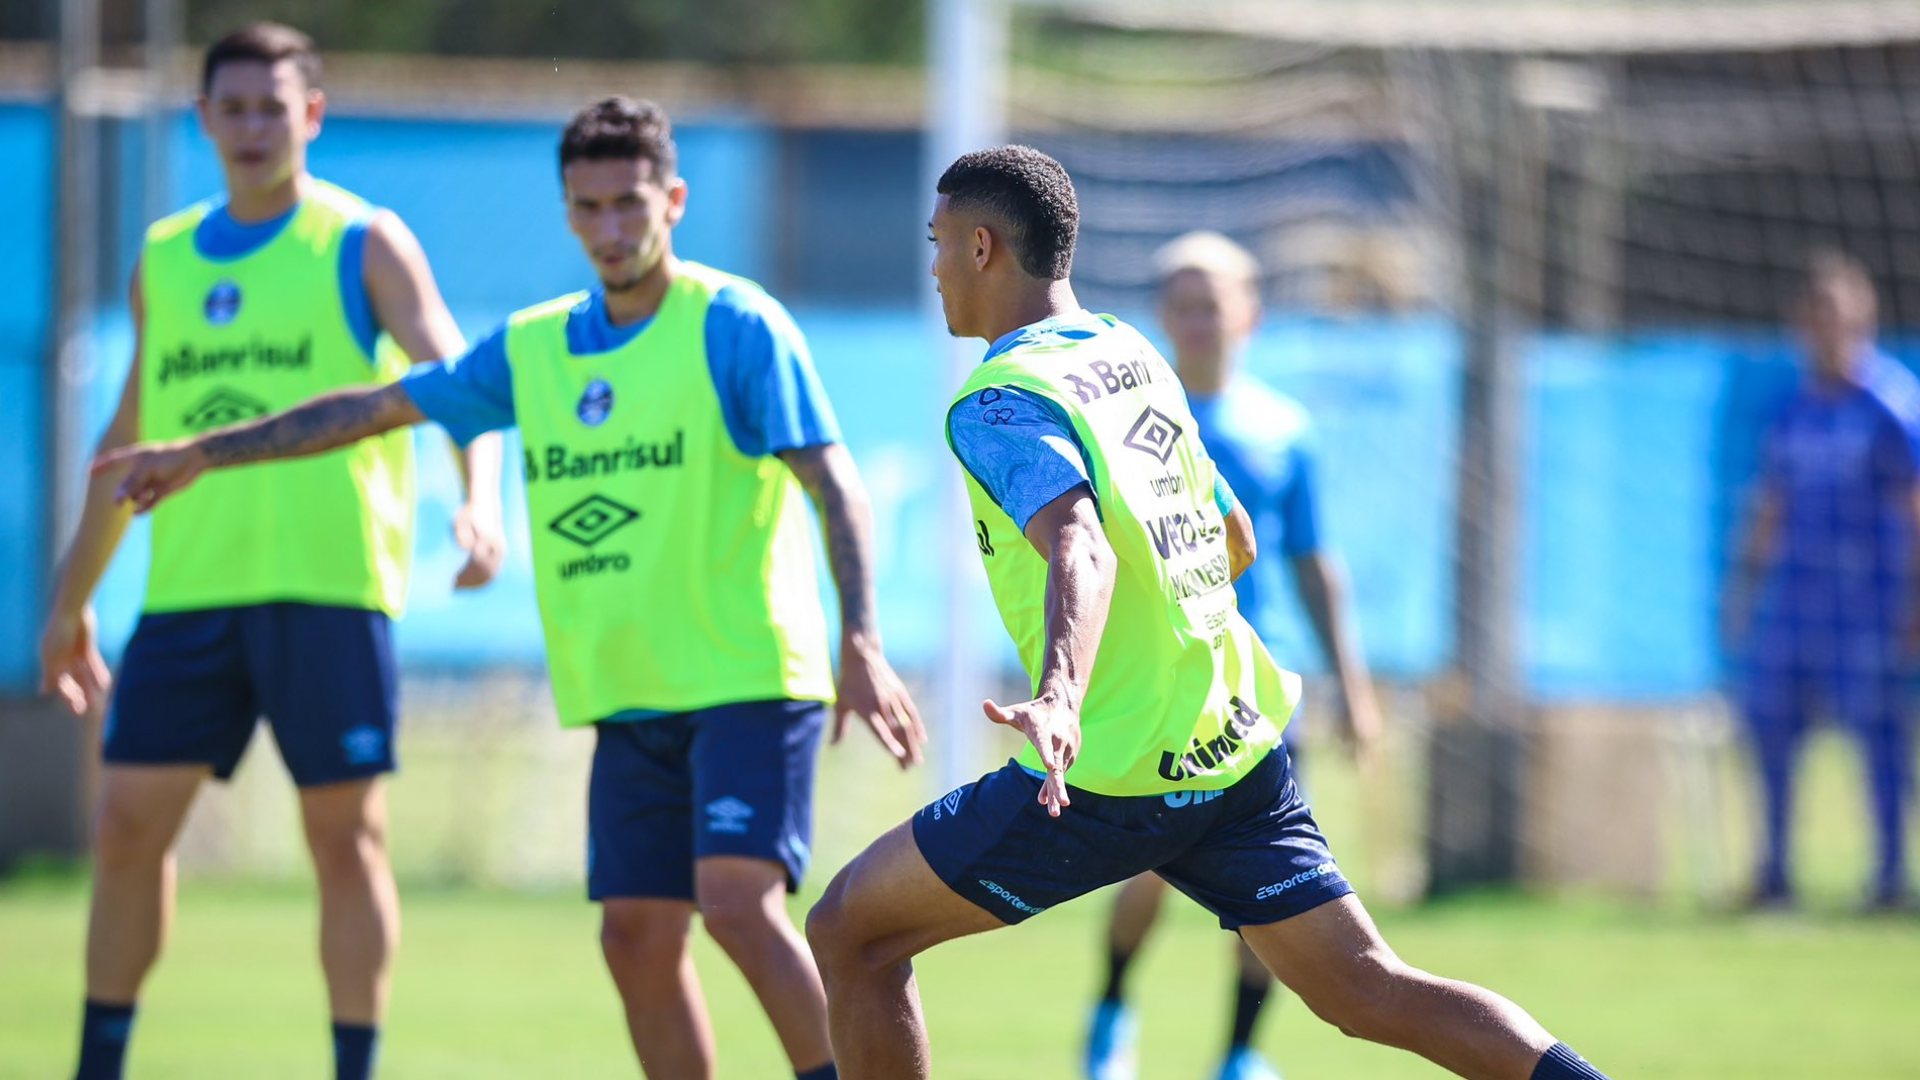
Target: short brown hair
[(266, 43), (620, 128)]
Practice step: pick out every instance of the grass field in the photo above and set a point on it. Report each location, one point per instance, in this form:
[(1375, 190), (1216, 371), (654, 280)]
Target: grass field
[(508, 983)]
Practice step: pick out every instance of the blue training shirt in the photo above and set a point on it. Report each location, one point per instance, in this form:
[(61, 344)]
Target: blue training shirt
[(1845, 462), (1260, 441), (1025, 452), (770, 394), (220, 237)]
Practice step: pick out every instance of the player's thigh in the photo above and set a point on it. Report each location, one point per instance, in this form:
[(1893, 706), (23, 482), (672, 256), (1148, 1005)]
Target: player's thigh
[(345, 821), (887, 906), (640, 811), (141, 807), (1332, 956), (752, 765), (330, 687), (185, 696)]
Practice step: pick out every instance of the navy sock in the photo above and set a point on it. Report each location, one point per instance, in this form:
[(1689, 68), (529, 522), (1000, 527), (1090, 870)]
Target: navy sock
[(354, 1047), (104, 1030), (1247, 999), (824, 1072), (1561, 1063), (1117, 962)]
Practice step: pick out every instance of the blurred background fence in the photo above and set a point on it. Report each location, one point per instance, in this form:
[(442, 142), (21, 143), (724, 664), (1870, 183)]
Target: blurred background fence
[(1527, 266)]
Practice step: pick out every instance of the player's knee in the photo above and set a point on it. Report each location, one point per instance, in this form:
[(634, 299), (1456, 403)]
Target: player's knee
[(829, 931), (346, 850), (125, 836), (1370, 1005), (739, 919), (633, 940)]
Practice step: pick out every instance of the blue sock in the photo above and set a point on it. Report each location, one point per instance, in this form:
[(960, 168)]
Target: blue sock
[(354, 1046), (1561, 1063), (824, 1072), (103, 1040)]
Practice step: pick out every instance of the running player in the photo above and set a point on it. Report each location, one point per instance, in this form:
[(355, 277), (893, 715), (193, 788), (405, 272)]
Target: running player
[(674, 425), (1822, 600), (1115, 589), (271, 591), (1209, 306)]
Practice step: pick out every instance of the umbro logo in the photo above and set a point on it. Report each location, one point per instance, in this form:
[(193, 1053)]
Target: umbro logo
[(592, 520), (728, 815), (1154, 434), (221, 408)]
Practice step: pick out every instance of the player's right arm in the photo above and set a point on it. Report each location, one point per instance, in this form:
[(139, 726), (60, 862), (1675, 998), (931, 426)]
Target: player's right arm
[(157, 470), (70, 662), (1241, 548), (1752, 553)]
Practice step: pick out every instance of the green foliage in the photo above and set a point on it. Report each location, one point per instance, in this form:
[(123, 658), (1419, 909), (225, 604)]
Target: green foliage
[(713, 31)]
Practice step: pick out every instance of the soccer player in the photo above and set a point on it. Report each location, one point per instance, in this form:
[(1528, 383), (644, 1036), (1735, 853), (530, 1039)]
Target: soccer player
[(1822, 599), (271, 591), (674, 425), (1150, 691), (1209, 306)]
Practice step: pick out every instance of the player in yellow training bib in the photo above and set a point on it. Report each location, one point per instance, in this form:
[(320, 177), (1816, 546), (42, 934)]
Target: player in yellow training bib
[(674, 430), (1111, 547), (271, 590)]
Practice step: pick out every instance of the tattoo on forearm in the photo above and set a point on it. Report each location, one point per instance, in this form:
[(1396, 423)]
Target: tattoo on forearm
[(322, 424), (849, 553)]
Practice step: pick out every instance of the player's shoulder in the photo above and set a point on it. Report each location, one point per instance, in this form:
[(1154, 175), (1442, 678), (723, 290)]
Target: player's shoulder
[(1252, 409), (331, 198), (1894, 389), (558, 307), (181, 222)]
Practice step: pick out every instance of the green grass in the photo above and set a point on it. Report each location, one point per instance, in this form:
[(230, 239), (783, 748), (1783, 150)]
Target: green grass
[(494, 984), (498, 983)]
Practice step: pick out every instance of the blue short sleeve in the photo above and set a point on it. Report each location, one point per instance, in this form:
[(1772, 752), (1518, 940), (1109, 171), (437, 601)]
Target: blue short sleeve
[(468, 395), (1019, 447), (1224, 499), (770, 394), (1299, 507)]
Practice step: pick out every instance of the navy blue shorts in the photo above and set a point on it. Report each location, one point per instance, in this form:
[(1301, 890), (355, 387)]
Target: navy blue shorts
[(193, 684), (730, 780), (1251, 854)]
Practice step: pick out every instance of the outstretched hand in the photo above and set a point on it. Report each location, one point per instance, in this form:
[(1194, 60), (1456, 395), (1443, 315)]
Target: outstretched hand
[(154, 471), (1054, 730), (869, 689)]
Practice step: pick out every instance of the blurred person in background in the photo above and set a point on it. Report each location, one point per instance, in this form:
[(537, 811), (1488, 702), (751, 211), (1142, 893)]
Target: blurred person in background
[(1110, 544), (1209, 307), (1821, 605), (271, 591), (674, 429)]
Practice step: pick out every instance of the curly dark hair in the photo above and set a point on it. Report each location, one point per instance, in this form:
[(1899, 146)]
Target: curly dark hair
[(266, 43), (620, 128), (1028, 191)]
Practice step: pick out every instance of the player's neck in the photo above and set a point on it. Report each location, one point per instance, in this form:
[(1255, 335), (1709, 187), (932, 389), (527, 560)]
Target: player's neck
[(1204, 378), (1037, 304), (265, 204), (640, 303)]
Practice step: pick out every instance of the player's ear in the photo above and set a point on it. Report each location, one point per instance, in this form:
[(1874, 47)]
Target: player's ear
[(676, 201), (982, 247), (316, 111)]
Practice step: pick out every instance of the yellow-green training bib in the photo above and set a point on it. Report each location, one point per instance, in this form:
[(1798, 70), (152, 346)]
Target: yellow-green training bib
[(229, 340), (1182, 696), (674, 572)]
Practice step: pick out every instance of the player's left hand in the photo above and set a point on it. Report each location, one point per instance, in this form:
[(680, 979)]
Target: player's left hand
[(154, 470), (477, 529), (869, 689), (1365, 729), (1054, 730)]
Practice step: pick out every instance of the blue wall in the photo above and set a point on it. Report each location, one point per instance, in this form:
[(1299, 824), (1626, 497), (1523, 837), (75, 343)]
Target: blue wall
[(1636, 445)]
